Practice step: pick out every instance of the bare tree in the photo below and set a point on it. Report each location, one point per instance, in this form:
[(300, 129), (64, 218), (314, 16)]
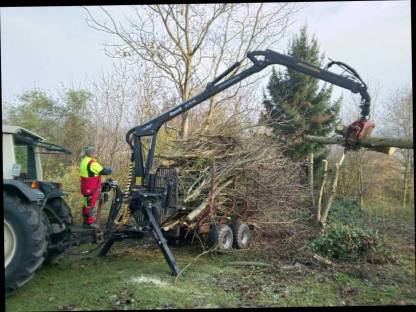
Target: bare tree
[(353, 175), (363, 168), (189, 43), (331, 195), (121, 101), (398, 122)]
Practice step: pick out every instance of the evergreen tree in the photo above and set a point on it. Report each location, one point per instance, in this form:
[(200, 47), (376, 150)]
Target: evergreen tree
[(298, 105)]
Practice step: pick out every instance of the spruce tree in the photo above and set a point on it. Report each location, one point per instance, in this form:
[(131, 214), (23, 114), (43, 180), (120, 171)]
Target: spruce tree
[(298, 104)]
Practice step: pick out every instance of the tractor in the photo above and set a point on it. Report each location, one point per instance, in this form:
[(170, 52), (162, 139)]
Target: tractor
[(36, 216)]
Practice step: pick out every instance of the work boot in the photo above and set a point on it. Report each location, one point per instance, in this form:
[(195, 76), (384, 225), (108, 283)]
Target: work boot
[(91, 226)]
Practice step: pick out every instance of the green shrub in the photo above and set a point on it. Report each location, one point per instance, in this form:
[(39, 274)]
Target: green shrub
[(346, 242), (70, 181), (347, 211)]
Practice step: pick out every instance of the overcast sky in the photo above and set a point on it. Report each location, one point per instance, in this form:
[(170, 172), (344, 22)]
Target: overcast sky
[(48, 47)]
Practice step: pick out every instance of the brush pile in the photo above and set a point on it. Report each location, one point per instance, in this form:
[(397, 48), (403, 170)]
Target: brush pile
[(240, 171)]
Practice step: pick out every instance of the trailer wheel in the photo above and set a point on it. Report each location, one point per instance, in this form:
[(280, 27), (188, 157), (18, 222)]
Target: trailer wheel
[(220, 235), (25, 240), (241, 233)]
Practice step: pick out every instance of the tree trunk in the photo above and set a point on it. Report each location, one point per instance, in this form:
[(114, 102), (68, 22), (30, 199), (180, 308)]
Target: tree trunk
[(311, 179), (405, 179), (410, 179), (212, 104), (368, 142), (321, 192), (186, 94), (183, 133), (331, 196), (360, 178)]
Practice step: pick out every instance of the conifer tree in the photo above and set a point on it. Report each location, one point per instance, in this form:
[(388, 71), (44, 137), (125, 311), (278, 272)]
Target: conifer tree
[(298, 104)]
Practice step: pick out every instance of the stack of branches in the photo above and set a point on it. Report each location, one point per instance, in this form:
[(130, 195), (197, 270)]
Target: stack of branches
[(252, 178)]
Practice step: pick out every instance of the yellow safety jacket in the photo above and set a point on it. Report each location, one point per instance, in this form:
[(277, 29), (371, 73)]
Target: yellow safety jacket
[(90, 178), (90, 167)]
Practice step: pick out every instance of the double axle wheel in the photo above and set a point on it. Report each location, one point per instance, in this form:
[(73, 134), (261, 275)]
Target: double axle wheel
[(225, 237)]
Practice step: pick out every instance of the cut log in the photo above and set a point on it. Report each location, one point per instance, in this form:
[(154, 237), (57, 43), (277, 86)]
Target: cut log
[(174, 220), (368, 142), (194, 213), (341, 129), (249, 263), (322, 259)]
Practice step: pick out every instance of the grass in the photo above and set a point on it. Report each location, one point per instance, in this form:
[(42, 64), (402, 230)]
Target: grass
[(136, 276), (130, 277)]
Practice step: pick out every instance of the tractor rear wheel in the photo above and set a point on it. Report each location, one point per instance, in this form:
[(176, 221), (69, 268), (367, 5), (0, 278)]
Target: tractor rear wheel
[(220, 235), (24, 240), (58, 240), (61, 208)]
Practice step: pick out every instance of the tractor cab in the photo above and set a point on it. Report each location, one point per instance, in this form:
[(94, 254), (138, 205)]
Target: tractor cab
[(36, 217), (21, 153)]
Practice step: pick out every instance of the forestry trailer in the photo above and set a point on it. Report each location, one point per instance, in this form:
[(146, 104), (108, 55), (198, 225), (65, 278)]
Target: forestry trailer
[(38, 224)]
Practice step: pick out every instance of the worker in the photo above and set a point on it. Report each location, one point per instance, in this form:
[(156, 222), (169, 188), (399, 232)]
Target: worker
[(91, 172)]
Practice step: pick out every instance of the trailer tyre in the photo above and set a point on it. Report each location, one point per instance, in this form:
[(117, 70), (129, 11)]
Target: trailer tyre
[(241, 233), (25, 240), (220, 235)]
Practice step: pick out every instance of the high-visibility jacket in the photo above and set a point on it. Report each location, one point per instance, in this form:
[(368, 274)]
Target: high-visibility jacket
[(90, 175)]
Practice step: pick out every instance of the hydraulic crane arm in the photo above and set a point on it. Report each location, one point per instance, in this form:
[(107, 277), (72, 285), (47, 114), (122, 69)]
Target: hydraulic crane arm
[(260, 60)]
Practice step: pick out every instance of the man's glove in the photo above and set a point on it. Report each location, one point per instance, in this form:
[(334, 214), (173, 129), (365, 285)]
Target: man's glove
[(106, 171)]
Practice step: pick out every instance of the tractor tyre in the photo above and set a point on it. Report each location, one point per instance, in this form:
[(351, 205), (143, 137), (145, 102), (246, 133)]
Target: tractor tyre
[(241, 233), (24, 240), (62, 209), (57, 242), (221, 236)]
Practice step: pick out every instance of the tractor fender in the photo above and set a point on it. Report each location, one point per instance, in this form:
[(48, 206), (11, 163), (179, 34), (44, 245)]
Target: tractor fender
[(51, 190), (57, 193), (32, 195)]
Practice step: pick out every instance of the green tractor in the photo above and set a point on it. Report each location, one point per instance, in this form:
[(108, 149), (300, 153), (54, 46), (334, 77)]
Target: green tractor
[(37, 219)]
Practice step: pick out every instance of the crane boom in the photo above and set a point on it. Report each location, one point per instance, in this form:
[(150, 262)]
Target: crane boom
[(141, 199), (260, 60)]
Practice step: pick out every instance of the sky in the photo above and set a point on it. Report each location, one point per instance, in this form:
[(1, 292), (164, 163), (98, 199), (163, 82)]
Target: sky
[(51, 47)]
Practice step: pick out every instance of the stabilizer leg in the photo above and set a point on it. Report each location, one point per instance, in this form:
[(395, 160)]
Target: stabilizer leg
[(160, 239), (106, 247)]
